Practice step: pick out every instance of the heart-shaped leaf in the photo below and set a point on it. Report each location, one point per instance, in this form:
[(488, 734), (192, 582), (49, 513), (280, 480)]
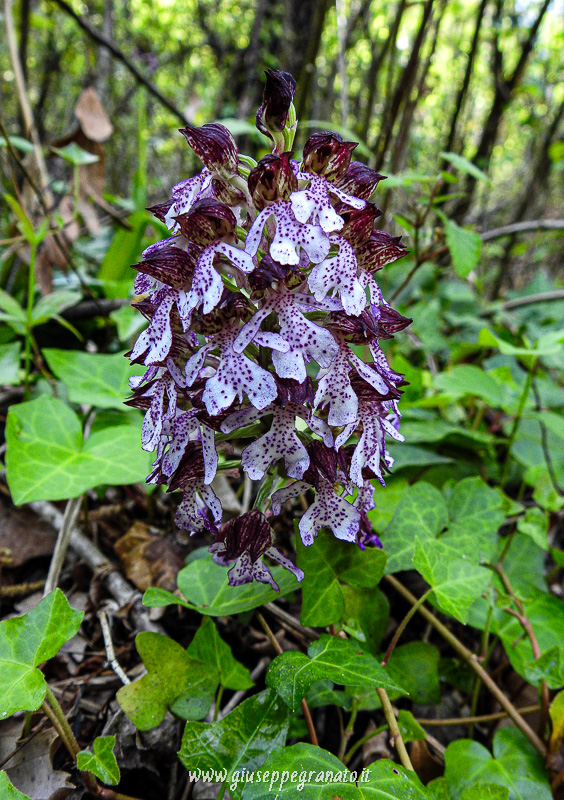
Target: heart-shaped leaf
[(208, 646), (48, 459), (25, 643), (174, 680), (241, 740), (102, 762), (341, 660)]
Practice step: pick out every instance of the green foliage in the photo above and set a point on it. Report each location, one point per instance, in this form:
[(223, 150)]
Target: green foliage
[(327, 566), (102, 762), (208, 646), (92, 378), (205, 586), (292, 674), (8, 791), (240, 741), (49, 459), (465, 247), (175, 680), (321, 776), (515, 765), (25, 643)]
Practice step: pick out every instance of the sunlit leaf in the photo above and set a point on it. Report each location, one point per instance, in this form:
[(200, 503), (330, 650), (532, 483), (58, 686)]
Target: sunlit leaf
[(25, 643)]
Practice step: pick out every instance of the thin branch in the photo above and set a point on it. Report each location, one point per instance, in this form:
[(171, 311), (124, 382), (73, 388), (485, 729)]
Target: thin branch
[(276, 644), (120, 56), (61, 545), (472, 661), (526, 226), (393, 726), (454, 721)]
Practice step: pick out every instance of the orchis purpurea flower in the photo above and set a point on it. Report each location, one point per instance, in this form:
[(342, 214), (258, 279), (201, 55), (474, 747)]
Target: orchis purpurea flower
[(255, 305)]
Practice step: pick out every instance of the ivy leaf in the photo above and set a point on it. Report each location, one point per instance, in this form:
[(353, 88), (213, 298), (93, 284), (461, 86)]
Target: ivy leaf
[(410, 729), (327, 563), (205, 586), (241, 740), (556, 712), (25, 643), (535, 525), (422, 510), (475, 507), (8, 791), (292, 673), (456, 582), (548, 667), (515, 765), (174, 680), (48, 459), (102, 762), (366, 616), (208, 646), (422, 684), (438, 789), (465, 248), (92, 378), (321, 776), (485, 791)]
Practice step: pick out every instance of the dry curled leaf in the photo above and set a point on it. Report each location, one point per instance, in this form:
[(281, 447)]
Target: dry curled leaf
[(149, 559)]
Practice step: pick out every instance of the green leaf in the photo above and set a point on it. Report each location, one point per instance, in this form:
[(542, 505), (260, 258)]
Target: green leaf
[(422, 683), (466, 379), (205, 585), (547, 345), (76, 155), (438, 789), (410, 729), (208, 646), (311, 773), (10, 355), (535, 525), (292, 673), (474, 505), (25, 643), (19, 142), (174, 680), (241, 740), (322, 693), (12, 313), (48, 459), (366, 615), (421, 512), (485, 791), (8, 791), (515, 765), (93, 378), (465, 248), (102, 762), (125, 250), (52, 304), (24, 223), (326, 563), (548, 667), (407, 455), (456, 582), (465, 166)]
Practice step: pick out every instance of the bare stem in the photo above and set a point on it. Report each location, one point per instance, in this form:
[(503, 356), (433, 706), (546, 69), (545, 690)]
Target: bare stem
[(402, 626), (276, 644), (394, 729), (472, 661)]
